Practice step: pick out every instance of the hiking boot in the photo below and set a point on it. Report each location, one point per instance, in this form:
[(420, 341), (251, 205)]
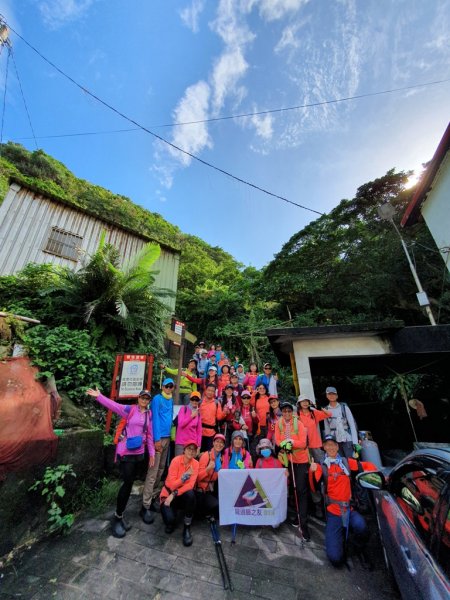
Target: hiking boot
[(118, 530), (126, 525), (305, 532), (147, 515), (169, 528), (187, 536)]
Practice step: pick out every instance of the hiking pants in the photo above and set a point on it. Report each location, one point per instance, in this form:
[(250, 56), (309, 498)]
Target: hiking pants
[(335, 535), (207, 504), (186, 502), (346, 449), (154, 473), (301, 482), (128, 472)]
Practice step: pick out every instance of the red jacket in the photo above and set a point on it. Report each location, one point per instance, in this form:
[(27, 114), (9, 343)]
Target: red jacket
[(339, 486)]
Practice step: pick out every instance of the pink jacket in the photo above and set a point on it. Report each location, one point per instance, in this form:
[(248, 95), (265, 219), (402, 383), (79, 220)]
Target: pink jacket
[(250, 379), (135, 426), (189, 428)]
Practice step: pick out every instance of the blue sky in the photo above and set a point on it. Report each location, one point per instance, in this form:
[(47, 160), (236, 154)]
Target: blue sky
[(177, 61)]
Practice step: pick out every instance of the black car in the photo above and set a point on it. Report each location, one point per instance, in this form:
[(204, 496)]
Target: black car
[(413, 512)]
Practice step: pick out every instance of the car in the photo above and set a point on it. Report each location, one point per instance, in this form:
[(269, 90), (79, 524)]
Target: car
[(413, 512)]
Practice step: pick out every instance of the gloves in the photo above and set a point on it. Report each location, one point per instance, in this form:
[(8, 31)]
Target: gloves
[(357, 450), (286, 445), (240, 464)]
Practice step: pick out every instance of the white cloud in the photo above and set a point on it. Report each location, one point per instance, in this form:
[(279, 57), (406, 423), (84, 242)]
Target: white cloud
[(228, 70), (289, 39), (231, 26), (191, 14), (192, 107), (56, 13), (272, 10)]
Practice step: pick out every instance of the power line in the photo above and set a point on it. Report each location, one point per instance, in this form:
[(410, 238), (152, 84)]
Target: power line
[(253, 114), (23, 97), (4, 99), (158, 137)]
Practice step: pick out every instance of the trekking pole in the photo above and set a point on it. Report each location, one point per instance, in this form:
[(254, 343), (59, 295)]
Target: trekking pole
[(226, 579), (233, 533), (299, 530)]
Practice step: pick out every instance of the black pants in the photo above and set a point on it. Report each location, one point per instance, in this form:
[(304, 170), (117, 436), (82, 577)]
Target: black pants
[(207, 504), (301, 483), (128, 472), (207, 443), (186, 502)]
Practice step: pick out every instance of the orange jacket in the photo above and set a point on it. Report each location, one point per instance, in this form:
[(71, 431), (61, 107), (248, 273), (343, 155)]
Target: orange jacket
[(208, 413), (299, 454), (339, 485), (310, 421), (173, 480), (262, 407), (206, 477)]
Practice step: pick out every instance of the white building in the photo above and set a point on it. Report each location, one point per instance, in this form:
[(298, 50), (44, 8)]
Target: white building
[(37, 229), (431, 200)]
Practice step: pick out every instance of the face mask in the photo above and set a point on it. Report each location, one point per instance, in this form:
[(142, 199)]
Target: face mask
[(266, 452)]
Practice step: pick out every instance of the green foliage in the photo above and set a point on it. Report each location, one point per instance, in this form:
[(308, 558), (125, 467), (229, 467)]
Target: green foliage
[(48, 176), (96, 498), (52, 488), (70, 356), (349, 266)]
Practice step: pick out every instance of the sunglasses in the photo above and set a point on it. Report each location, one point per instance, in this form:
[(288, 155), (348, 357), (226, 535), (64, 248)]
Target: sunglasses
[(169, 387)]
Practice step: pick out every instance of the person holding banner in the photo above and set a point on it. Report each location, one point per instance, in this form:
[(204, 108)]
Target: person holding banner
[(162, 411), (291, 438), (178, 491), (266, 458), (210, 464), (236, 456), (136, 436)]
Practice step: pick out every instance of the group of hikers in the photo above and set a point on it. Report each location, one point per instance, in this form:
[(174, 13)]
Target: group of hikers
[(229, 417)]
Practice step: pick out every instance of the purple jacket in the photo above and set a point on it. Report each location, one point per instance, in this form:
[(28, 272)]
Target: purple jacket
[(135, 426), (189, 428)]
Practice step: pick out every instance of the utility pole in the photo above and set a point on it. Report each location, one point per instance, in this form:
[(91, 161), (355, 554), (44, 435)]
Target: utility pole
[(386, 212)]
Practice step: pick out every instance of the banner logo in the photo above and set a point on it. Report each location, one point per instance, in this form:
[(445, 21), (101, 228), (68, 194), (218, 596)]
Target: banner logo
[(252, 494)]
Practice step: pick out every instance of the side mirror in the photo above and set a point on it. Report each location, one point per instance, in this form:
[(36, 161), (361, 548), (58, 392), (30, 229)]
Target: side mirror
[(373, 480)]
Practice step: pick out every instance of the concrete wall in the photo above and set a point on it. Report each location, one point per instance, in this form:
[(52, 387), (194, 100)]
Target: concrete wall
[(23, 514), (436, 210), (27, 218), (304, 349)]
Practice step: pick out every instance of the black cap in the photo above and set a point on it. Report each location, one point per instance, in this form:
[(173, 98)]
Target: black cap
[(286, 405)]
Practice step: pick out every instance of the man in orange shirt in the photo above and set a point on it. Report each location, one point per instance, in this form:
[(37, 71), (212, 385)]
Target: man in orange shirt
[(291, 438), (336, 472)]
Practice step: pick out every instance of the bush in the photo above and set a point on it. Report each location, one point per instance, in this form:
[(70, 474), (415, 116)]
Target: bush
[(71, 356)]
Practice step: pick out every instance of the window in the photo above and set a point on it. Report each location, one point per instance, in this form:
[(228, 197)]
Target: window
[(63, 243), (418, 493)]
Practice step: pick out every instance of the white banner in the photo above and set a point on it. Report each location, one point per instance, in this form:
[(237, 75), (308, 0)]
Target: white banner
[(252, 496)]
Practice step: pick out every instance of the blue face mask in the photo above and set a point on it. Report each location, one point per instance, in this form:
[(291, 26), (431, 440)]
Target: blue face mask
[(266, 452)]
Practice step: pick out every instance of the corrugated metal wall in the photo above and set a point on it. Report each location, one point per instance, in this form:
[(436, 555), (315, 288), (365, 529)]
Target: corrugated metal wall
[(26, 220)]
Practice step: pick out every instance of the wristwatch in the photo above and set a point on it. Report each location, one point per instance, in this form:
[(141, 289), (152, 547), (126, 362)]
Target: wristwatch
[(175, 493)]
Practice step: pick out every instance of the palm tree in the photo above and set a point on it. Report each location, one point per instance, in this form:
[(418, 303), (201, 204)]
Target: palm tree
[(120, 306)]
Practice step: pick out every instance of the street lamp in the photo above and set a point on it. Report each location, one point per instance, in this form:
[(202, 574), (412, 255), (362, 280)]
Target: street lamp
[(386, 212)]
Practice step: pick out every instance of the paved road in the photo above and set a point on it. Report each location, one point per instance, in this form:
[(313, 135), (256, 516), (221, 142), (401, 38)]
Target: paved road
[(90, 564)]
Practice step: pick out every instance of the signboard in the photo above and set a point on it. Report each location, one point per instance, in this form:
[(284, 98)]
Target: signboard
[(252, 496), (132, 379), (178, 328)]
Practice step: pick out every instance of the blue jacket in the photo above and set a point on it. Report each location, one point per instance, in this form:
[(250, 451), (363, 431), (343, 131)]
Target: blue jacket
[(162, 413)]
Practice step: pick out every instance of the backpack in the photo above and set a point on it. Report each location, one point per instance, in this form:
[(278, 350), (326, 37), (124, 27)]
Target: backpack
[(345, 422), (360, 499)]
